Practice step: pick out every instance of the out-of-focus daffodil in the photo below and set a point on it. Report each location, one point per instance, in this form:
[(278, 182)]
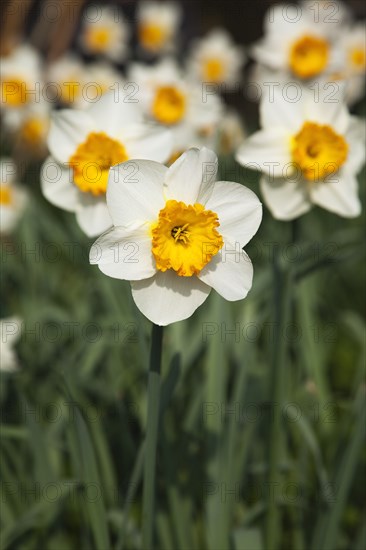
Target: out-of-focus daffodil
[(170, 100), (66, 82), (310, 152), (157, 25), (215, 58), (297, 44), (105, 33), (13, 198), (21, 85), (85, 144)]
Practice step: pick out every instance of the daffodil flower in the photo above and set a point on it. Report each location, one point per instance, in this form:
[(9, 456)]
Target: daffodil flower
[(191, 111), (85, 144), (177, 233), (31, 136), (353, 44), (310, 152), (13, 198), (66, 81), (216, 59), (298, 44), (20, 80), (105, 33), (157, 25)]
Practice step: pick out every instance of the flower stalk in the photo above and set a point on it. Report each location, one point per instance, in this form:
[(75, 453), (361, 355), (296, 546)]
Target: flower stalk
[(154, 383)]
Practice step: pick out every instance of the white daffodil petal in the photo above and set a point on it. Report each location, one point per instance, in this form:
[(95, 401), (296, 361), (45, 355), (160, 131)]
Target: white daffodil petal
[(113, 111), (57, 185), (135, 191), (68, 129), (239, 211), (276, 111), (355, 138), (10, 329), (340, 197), (267, 150), (328, 109), (191, 177), (167, 298), (230, 272), (124, 253), (94, 217), (286, 199), (149, 142)]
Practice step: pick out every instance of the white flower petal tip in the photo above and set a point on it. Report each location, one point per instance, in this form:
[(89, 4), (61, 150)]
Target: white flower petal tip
[(191, 176), (339, 196), (167, 298), (10, 332), (94, 218), (285, 199), (230, 273)]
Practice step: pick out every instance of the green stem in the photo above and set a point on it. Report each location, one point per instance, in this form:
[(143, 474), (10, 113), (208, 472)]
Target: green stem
[(151, 438)]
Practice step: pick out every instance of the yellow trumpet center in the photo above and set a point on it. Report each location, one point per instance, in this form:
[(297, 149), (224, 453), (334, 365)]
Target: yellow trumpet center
[(318, 150), (357, 57), (309, 56), (33, 130), (213, 70), (93, 159), (14, 92), (152, 36), (97, 38), (6, 194), (169, 105), (185, 238)]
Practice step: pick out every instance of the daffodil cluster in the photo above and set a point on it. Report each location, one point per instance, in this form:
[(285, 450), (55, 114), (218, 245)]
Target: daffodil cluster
[(310, 65), (128, 130)]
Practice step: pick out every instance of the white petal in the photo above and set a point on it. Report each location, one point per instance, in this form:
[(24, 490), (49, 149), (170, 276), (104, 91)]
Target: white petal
[(355, 138), (93, 217), (286, 199), (340, 197), (276, 111), (191, 177), (124, 253), (113, 112), (135, 191), (10, 214), (230, 272), (58, 187), (167, 298), (267, 150), (239, 211), (10, 329), (329, 108), (149, 141), (271, 53), (68, 130), (8, 218)]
